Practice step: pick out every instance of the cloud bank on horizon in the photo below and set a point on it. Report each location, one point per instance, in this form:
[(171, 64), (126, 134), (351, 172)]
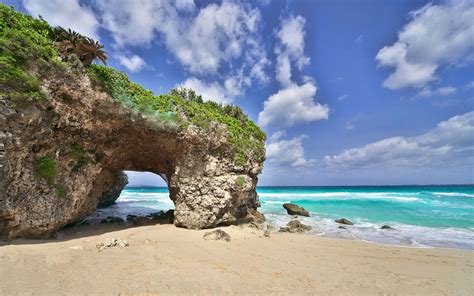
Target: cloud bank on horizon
[(233, 51)]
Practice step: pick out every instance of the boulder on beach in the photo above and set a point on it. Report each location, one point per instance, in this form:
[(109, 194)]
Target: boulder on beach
[(295, 226), (293, 209), (165, 217), (342, 227), (217, 235), (387, 227), (344, 221)]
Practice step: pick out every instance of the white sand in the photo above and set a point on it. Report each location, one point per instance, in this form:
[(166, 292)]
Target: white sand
[(164, 260)]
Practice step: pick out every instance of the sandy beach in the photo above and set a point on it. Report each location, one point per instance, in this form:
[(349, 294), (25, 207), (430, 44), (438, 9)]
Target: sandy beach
[(165, 260)]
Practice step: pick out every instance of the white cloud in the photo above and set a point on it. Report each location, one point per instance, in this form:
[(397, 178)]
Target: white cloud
[(442, 91), (343, 97), (277, 135), (186, 5), (437, 35), (65, 13), (201, 40), (451, 142), (292, 105), (290, 152), (133, 63), (209, 91), (204, 41), (291, 37), (351, 124)]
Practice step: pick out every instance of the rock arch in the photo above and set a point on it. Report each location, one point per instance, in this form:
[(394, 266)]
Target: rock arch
[(58, 159)]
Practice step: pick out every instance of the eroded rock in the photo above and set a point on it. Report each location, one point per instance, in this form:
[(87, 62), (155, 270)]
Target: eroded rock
[(60, 164), (295, 226), (293, 209)]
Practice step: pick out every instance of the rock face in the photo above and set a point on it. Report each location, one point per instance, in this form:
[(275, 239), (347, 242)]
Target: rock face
[(295, 226), (61, 159), (110, 196), (67, 131), (293, 209)]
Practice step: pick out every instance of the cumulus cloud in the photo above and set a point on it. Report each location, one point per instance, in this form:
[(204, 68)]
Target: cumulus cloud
[(436, 35), (293, 103), (442, 91), (283, 152), (204, 40), (449, 143), (133, 63), (291, 106), (65, 13), (201, 40)]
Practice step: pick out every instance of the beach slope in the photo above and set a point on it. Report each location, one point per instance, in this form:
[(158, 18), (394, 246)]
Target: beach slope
[(163, 260)]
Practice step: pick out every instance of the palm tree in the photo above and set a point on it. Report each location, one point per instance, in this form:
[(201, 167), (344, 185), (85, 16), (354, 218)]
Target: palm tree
[(88, 50)]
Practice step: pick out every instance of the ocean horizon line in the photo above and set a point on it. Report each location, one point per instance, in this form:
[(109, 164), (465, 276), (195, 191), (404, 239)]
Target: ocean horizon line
[(331, 186)]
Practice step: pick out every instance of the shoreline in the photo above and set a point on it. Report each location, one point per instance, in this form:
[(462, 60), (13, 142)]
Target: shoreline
[(164, 259)]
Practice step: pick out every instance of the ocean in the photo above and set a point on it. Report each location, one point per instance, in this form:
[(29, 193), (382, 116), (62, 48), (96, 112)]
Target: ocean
[(423, 216)]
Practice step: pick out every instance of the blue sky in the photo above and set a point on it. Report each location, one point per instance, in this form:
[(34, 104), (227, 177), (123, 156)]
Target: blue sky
[(349, 92)]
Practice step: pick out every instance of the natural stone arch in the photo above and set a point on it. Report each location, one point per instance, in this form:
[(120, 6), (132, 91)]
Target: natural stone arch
[(89, 138), (68, 127)]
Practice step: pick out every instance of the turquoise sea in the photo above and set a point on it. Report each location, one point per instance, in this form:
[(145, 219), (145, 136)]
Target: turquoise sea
[(423, 216)]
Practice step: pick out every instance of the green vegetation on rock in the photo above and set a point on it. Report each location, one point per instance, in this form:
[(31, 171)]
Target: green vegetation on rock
[(46, 169), (23, 40), (81, 156), (61, 191), (183, 107), (240, 181), (29, 45)]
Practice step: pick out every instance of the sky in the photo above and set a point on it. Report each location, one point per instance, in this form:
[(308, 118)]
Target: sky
[(366, 92)]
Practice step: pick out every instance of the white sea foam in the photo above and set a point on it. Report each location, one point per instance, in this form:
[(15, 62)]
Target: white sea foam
[(405, 235), (340, 196), (453, 194)]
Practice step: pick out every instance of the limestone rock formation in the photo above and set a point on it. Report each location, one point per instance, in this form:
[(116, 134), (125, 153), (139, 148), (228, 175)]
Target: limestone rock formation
[(109, 197), (66, 138), (295, 226), (293, 209)]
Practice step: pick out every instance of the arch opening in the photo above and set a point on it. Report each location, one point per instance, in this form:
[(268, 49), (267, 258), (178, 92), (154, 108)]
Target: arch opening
[(136, 194)]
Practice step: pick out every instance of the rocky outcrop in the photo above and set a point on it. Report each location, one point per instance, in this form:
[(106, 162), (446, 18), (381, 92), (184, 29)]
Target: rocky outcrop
[(295, 226), (293, 209), (387, 227), (67, 132), (109, 197), (344, 221)]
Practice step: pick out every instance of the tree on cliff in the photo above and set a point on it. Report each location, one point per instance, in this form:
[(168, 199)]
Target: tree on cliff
[(70, 42)]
